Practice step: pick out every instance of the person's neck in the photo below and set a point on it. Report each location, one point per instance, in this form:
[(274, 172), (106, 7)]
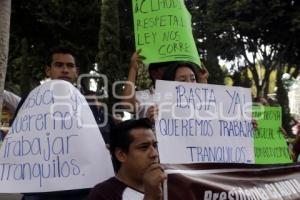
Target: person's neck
[(127, 179)]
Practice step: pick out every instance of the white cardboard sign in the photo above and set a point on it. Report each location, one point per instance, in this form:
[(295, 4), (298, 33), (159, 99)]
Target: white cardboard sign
[(54, 144), (203, 123)]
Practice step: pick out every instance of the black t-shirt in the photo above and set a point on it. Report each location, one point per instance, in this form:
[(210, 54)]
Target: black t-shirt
[(113, 189), (101, 116)]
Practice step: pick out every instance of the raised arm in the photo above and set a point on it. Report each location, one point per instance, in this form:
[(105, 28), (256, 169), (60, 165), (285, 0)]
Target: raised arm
[(131, 102)]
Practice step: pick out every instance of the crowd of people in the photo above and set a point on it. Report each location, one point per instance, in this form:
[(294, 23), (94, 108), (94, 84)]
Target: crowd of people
[(132, 143)]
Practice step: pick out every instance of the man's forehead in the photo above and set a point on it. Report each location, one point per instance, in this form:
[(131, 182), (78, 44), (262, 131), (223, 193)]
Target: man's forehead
[(142, 133), (62, 57)]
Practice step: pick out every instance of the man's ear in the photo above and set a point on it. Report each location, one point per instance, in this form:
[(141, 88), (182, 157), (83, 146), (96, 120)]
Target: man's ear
[(47, 71), (121, 155)]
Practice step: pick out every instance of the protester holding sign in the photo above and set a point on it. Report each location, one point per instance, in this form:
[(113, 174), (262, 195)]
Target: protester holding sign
[(139, 101), (177, 71), (61, 65), (142, 102), (181, 71), (165, 35), (262, 101), (269, 142), (204, 123), (163, 30), (139, 174)]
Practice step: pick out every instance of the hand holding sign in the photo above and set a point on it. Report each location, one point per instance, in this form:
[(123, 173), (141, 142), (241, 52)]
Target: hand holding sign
[(163, 30), (204, 123), (53, 139), (136, 60), (270, 145)]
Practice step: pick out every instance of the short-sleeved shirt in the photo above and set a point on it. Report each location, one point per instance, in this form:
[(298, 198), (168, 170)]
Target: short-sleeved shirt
[(113, 189)]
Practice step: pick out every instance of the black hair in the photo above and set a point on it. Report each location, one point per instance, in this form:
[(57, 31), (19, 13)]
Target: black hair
[(63, 50), (120, 137), (296, 145), (170, 73), (155, 66)]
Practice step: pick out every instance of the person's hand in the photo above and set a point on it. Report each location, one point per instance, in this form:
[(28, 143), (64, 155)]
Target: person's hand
[(152, 113), (203, 75), (284, 133), (136, 60), (153, 179), (254, 124)]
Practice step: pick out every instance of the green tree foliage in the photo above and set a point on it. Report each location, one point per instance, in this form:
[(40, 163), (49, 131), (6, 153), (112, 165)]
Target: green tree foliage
[(241, 78), (37, 26), (267, 29), (127, 44), (108, 57), (292, 54), (205, 41), (251, 28)]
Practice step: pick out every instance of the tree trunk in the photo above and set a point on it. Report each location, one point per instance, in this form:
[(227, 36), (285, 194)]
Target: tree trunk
[(5, 10), (216, 75), (266, 82), (255, 78), (25, 69)]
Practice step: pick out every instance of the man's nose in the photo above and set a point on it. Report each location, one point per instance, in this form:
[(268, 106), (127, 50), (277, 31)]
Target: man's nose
[(153, 152), (65, 68)]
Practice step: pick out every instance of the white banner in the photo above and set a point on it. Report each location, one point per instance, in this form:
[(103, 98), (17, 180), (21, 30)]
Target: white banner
[(53, 144), (203, 123)]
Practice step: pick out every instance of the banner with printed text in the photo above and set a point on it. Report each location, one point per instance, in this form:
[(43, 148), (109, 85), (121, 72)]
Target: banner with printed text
[(269, 142), (53, 144), (203, 123), (232, 182), (163, 31)]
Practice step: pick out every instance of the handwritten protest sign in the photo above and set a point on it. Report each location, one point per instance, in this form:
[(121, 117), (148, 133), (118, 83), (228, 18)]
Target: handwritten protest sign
[(53, 144), (163, 31), (203, 123), (269, 143)]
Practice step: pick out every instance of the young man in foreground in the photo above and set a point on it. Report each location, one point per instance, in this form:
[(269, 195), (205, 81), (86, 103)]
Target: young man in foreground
[(139, 175)]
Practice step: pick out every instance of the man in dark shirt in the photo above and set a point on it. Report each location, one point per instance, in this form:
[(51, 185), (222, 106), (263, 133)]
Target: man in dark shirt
[(134, 152), (104, 120)]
